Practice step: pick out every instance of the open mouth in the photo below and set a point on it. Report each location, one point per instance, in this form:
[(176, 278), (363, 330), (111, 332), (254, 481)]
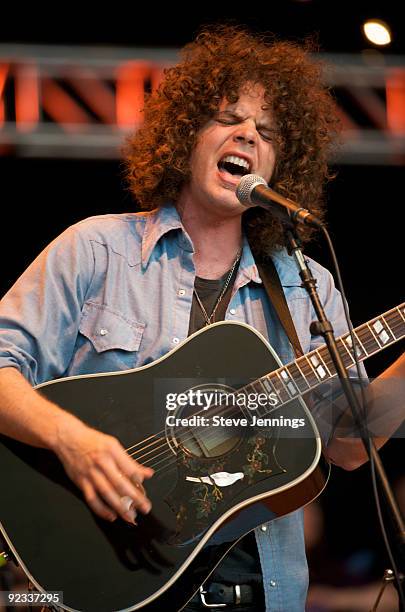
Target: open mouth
[(234, 166)]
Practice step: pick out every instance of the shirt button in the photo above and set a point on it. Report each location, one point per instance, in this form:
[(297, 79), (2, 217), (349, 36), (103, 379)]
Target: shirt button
[(176, 340), (232, 311), (182, 292), (103, 332), (272, 583), (263, 528)]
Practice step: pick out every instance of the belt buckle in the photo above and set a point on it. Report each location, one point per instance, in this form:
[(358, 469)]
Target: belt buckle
[(202, 592)]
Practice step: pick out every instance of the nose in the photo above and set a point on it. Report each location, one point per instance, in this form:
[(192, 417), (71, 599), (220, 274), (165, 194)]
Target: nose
[(246, 134)]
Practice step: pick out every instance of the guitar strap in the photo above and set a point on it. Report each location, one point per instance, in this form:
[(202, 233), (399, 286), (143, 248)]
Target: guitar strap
[(274, 290), (275, 293)]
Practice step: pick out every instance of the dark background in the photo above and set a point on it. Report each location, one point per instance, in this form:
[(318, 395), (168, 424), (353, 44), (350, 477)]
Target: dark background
[(336, 25), (39, 198)]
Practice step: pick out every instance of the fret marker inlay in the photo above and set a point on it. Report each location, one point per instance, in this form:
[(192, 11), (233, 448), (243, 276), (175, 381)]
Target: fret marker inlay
[(349, 343), (380, 331), (288, 382), (318, 367)]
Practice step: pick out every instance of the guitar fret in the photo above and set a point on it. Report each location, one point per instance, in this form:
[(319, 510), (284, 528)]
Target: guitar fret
[(348, 344), (283, 382), (317, 366), (258, 388), (288, 381), (360, 347), (306, 371), (367, 339), (373, 334), (268, 386), (397, 327), (382, 331), (325, 358), (271, 393), (280, 388), (299, 378), (346, 356), (311, 376), (245, 411), (387, 327)]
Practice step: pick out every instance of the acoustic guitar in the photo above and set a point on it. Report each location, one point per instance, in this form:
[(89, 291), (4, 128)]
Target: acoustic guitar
[(222, 466)]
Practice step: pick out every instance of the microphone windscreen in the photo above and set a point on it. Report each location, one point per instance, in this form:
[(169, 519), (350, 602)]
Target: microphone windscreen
[(246, 186)]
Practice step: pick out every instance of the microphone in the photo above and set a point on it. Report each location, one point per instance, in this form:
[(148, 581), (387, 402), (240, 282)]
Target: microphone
[(253, 190)]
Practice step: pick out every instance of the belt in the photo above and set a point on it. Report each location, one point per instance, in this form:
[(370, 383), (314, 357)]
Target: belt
[(218, 595)]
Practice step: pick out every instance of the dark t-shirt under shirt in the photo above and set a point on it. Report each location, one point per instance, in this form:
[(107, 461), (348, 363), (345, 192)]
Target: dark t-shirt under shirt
[(241, 565)]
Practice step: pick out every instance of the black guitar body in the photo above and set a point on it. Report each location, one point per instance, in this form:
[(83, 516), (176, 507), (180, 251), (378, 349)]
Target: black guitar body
[(101, 566)]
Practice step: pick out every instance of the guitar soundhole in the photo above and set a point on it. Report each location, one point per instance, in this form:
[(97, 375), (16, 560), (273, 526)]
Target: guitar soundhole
[(205, 435)]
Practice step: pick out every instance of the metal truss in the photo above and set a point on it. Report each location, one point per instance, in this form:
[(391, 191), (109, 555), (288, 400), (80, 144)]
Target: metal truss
[(81, 102)]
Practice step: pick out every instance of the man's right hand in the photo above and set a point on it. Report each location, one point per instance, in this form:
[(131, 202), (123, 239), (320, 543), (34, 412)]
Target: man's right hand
[(98, 464)]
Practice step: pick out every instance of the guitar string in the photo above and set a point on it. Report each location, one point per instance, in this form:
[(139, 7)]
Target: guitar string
[(196, 414), (182, 429), (221, 412), (208, 436), (174, 457), (186, 429), (167, 455), (165, 443), (170, 453), (397, 324), (199, 413)]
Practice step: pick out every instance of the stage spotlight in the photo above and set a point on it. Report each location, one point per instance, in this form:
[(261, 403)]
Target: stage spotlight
[(377, 32)]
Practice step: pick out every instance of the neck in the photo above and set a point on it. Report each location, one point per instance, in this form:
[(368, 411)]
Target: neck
[(216, 240)]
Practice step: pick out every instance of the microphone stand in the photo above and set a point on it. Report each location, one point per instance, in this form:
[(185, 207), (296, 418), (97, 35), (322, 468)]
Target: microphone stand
[(324, 328)]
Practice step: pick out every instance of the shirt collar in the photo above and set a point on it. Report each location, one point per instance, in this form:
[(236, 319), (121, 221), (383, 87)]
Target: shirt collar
[(286, 268), (158, 223), (247, 268), (285, 265), (166, 218)]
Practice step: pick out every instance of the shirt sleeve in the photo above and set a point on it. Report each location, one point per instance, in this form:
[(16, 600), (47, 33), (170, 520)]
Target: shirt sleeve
[(40, 314)]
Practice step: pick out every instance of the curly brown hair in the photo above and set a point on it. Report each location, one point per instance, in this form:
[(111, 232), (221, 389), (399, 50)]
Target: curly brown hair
[(215, 66)]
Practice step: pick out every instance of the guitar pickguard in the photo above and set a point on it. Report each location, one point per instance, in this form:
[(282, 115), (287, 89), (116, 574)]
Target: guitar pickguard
[(198, 500)]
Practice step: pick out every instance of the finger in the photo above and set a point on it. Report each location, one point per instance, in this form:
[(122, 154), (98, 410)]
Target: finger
[(125, 486), (148, 471), (104, 488), (128, 504), (129, 466), (95, 503)]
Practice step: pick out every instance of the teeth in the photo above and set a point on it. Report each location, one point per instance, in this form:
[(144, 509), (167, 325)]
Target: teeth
[(239, 161)]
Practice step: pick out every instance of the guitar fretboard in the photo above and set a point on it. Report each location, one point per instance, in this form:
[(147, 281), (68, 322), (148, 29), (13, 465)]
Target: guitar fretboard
[(314, 368)]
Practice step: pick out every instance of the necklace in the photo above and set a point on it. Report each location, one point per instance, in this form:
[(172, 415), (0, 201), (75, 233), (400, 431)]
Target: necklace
[(211, 319)]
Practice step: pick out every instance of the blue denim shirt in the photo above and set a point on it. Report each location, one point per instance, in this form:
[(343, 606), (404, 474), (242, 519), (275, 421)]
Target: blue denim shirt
[(115, 292)]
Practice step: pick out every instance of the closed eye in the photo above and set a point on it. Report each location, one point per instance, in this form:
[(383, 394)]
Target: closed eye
[(267, 134), (227, 118)]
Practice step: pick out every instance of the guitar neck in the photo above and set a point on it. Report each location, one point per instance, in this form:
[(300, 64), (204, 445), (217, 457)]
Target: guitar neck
[(316, 367)]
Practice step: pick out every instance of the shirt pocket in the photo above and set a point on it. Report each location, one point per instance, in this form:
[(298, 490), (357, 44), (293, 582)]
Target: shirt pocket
[(113, 336)]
